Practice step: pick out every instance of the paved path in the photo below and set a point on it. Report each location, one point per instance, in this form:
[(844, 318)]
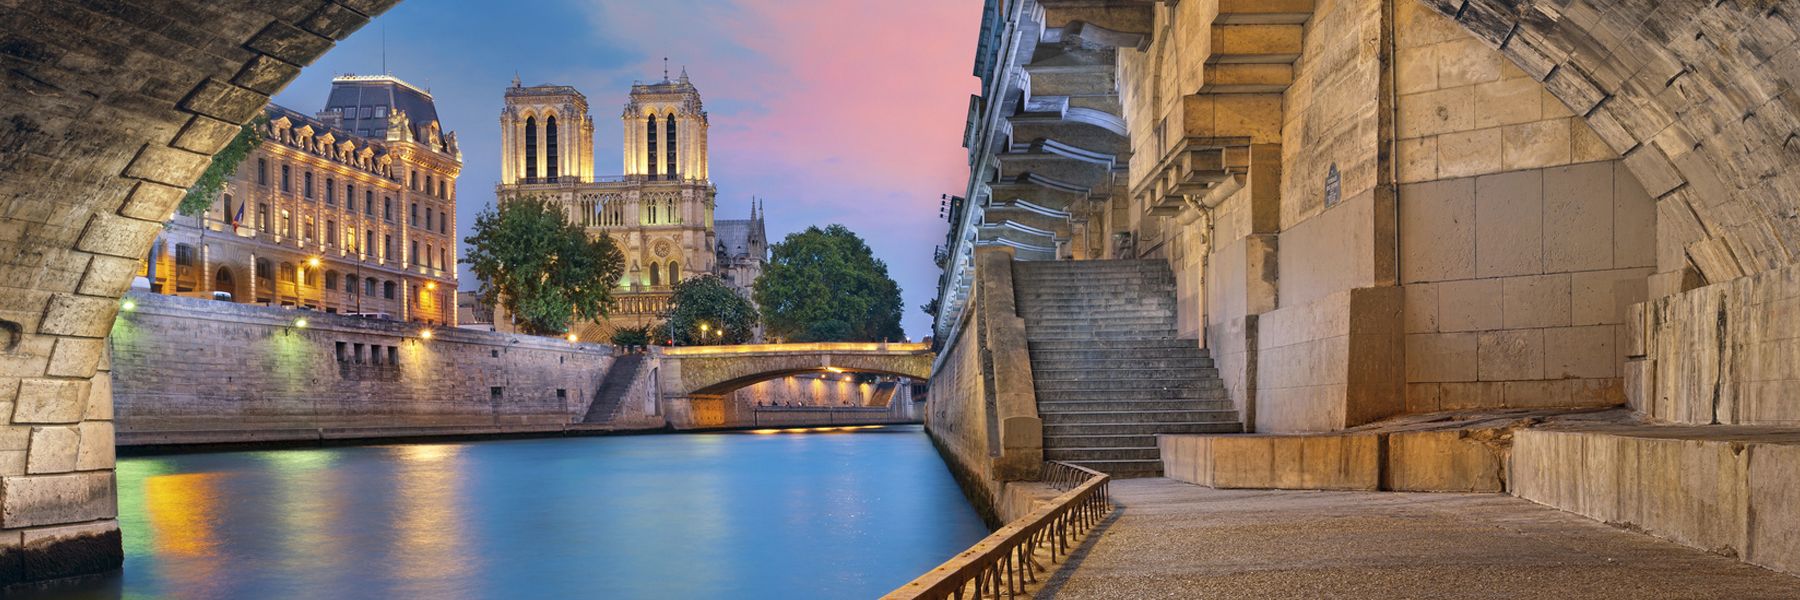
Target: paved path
[(1174, 540)]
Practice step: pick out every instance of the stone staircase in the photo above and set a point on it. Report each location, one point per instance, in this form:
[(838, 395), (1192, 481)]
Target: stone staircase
[(613, 388), (1110, 372)]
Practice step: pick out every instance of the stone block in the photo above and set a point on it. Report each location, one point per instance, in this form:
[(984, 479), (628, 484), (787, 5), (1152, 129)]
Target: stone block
[(80, 316), (50, 401), (1437, 230), (1773, 479), (1456, 460), (1578, 217), (1536, 144), (53, 450), (114, 235), (150, 201), (1316, 462), (224, 101), (1580, 352), (1600, 297), (1536, 301), (1421, 308), (70, 550), (1510, 355), (1509, 224), (289, 43), (107, 276), (76, 357), (38, 500), (1465, 153), (99, 398), (205, 135), (97, 446), (265, 75), (1469, 305), (1584, 144), (166, 165), (1433, 113), (1634, 222), (1418, 159), (1466, 62), (1508, 102), (1435, 357), (1470, 395), (1417, 69)]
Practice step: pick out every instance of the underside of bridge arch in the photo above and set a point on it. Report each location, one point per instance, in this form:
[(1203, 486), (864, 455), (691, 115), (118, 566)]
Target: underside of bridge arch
[(111, 110), (1697, 96), (720, 376)]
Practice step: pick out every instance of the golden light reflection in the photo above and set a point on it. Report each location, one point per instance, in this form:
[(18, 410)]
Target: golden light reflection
[(181, 512), (429, 545)]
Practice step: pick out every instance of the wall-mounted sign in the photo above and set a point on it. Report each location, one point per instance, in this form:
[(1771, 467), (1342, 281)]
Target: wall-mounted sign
[(1334, 187)]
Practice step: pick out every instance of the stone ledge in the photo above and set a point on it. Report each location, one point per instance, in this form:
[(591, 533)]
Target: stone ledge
[(1435, 452), (1725, 489)]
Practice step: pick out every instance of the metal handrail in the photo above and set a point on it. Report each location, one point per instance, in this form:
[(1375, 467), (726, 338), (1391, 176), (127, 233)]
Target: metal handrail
[(1004, 563)]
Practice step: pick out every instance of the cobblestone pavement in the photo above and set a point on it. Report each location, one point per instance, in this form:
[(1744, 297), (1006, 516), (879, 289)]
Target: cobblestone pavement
[(1175, 540)]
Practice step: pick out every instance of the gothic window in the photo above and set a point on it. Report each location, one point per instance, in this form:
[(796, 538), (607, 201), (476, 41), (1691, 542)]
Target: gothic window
[(530, 148), (650, 159), (674, 272), (655, 274), (671, 152), (550, 169)]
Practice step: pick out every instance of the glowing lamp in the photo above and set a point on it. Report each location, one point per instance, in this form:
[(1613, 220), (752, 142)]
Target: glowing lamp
[(300, 322)]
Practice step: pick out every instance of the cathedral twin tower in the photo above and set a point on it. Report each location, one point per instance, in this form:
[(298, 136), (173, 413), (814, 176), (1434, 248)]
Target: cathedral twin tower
[(659, 212)]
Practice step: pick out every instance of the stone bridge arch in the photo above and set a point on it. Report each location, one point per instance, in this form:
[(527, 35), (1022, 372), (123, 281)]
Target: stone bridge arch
[(718, 370), (112, 109)]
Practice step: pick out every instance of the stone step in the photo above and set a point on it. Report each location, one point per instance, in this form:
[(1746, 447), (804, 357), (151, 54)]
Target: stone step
[(1076, 311), (1128, 404), (1102, 322), (1098, 440), (1138, 416), (1059, 345), (1122, 361), (1090, 265), (1078, 333), (1086, 454), (1124, 469), (1099, 291), (1101, 395), (1125, 385), (1091, 429), (1050, 372)]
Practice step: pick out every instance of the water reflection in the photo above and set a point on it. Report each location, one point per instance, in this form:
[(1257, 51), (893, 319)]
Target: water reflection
[(843, 514)]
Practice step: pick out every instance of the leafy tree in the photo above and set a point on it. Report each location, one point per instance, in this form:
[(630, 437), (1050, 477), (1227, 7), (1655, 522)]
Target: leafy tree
[(705, 311), (930, 308), (541, 268), (632, 337), (224, 165), (824, 285)]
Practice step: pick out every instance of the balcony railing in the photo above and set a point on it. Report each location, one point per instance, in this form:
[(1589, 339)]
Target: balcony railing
[(1005, 563)]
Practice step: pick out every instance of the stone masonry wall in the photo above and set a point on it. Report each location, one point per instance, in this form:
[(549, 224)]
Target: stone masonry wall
[(188, 370)]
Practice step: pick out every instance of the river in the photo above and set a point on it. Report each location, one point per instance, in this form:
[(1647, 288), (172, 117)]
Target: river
[(843, 514)]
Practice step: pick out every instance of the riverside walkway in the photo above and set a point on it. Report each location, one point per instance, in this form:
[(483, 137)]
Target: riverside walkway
[(1175, 540)]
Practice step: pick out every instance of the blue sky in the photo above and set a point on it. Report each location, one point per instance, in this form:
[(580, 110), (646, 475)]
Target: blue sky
[(833, 111)]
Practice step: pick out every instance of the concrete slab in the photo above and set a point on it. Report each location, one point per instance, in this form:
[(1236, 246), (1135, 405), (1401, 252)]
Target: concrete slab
[(1174, 540)]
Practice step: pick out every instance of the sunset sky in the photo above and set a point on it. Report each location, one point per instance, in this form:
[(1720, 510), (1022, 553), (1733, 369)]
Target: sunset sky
[(833, 111)]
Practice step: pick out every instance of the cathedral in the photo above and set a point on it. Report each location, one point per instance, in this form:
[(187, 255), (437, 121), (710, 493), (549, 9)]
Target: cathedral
[(659, 211)]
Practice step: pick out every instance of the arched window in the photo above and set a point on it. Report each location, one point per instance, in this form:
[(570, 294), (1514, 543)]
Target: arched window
[(674, 272), (655, 274), (531, 147), (387, 290), (331, 280), (369, 286), (671, 144), (650, 149), (550, 169)]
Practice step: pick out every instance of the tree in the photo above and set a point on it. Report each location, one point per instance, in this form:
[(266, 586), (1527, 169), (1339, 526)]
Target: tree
[(705, 311), (224, 165), (825, 285), (541, 268), (629, 338)]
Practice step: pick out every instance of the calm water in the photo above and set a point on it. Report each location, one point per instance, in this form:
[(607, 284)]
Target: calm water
[(816, 515)]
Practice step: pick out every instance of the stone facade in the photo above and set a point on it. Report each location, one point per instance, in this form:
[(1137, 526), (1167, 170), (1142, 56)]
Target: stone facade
[(660, 212), (192, 371), (351, 211)]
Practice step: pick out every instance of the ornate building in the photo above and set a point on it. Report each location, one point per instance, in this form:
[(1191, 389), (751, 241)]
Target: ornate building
[(660, 211), (352, 210)]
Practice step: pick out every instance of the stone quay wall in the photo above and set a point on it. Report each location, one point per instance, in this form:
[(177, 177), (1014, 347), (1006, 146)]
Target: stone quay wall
[(189, 371)]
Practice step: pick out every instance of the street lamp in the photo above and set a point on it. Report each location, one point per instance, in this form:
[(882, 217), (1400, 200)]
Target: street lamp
[(425, 334)]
